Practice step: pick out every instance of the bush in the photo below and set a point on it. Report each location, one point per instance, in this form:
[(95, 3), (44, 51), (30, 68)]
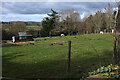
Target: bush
[(6, 35), (34, 33), (4, 41), (106, 71)]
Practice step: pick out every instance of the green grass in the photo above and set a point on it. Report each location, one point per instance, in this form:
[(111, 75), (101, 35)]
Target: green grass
[(41, 60), (28, 27), (33, 27)]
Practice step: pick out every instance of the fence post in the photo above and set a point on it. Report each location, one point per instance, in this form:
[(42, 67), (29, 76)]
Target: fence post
[(115, 50), (118, 48), (69, 55)]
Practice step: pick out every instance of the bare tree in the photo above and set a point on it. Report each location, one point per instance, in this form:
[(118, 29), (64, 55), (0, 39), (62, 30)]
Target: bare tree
[(109, 11), (18, 27), (66, 13), (69, 18)]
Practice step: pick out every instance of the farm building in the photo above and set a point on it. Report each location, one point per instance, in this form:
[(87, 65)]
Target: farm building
[(24, 36)]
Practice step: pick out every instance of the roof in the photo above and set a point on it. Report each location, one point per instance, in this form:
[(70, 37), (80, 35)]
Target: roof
[(24, 35)]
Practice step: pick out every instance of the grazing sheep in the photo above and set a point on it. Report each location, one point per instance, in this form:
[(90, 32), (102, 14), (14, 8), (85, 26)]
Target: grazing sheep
[(62, 35), (101, 32), (118, 34), (31, 43), (112, 30)]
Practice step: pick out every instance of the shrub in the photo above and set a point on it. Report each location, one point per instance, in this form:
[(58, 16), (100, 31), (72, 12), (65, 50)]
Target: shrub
[(6, 35), (4, 41)]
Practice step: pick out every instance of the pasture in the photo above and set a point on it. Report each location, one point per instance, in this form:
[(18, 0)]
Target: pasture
[(43, 60), (33, 27)]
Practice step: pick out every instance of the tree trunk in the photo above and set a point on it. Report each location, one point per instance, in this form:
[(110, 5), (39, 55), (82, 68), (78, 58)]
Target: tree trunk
[(115, 39), (68, 33), (50, 34)]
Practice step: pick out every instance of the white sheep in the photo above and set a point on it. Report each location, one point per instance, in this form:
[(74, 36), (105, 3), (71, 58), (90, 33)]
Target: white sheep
[(13, 39), (62, 35), (101, 32), (112, 30)]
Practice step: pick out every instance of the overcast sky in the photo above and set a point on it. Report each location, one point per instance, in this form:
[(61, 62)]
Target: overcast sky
[(36, 11)]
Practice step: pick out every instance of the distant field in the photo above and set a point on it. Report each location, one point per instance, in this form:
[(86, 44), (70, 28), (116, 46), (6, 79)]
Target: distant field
[(33, 27), (28, 27), (44, 61)]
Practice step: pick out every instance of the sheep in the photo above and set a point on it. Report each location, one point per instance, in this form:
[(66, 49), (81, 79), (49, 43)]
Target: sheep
[(112, 30), (101, 32), (62, 35), (118, 34), (13, 39)]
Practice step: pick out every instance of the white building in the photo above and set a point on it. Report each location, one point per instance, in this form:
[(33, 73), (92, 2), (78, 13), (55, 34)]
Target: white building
[(24, 35)]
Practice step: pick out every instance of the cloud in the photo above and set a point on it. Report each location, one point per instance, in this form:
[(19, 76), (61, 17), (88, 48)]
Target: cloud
[(44, 7), (23, 17), (59, 0), (29, 9)]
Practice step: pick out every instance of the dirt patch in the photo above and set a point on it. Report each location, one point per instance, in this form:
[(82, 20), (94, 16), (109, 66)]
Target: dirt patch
[(59, 43), (16, 43), (6, 44), (30, 44), (23, 42), (93, 39)]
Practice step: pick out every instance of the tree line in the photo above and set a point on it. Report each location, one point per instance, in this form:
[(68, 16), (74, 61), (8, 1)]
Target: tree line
[(67, 22)]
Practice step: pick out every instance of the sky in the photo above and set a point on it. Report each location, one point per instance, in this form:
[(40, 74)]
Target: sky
[(36, 11)]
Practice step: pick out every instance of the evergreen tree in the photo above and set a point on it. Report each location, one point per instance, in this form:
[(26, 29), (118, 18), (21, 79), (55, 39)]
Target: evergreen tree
[(49, 23)]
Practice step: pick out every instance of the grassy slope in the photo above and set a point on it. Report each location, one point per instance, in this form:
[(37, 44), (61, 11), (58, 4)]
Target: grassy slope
[(44, 61), (33, 27)]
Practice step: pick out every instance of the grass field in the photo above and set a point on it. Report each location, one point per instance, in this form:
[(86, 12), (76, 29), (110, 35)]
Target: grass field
[(44, 61), (33, 27)]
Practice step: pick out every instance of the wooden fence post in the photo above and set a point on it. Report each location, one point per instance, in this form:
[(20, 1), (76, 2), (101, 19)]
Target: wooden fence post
[(118, 48), (69, 55), (115, 50)]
